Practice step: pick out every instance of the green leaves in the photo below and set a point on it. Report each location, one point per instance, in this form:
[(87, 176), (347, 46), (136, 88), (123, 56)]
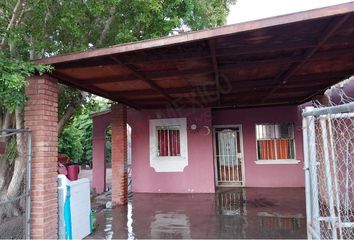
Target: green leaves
[(45, 28), (70, 144), (76, 138), (13, 75)]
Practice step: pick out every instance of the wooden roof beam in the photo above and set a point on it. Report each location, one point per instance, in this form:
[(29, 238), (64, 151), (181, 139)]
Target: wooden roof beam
[(222, 52), (221, 68), (230, 104), (330, 29), (108, 80), (91, 89), (185, 56), (236, 85), (328, 77), (225, 67), (144, 79), (214, 62), (227, 52)]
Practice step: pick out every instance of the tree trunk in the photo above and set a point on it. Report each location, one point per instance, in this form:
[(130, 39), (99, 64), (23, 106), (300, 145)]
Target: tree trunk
[(107, 25), (7, 120), (65, 118), (15, 184), (69, 112), (4, 164)]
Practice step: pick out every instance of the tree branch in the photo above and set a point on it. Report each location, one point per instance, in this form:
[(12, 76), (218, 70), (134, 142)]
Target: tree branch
[(66, 117), (106, 26), (21, 15), (69, 112), (12, 20)]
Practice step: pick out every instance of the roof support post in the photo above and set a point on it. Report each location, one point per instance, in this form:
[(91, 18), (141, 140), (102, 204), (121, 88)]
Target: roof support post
[(41, 117), (119, 154)]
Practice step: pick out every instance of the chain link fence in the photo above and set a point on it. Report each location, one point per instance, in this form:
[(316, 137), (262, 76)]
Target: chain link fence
[(329, 169), (15, 183)]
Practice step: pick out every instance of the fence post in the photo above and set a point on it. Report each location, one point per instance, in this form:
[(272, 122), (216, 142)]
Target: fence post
[(307, 174), (329, 186), (335, 173), (313, 172), (28, 185)]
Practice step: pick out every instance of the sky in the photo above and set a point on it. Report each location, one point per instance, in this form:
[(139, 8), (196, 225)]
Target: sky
[(246, 10)]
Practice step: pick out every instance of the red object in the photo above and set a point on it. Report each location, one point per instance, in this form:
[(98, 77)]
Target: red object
[(73, 172), (63, 159), (168, 140)]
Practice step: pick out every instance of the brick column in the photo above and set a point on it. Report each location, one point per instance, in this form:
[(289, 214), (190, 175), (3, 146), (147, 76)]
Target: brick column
[(41, 116), (119, 154)]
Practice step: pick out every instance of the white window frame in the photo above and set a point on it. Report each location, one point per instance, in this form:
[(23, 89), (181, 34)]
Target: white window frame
[(276, 161), (168, 163)]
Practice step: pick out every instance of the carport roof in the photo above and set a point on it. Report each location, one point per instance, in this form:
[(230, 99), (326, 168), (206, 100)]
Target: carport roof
[(275, 61)]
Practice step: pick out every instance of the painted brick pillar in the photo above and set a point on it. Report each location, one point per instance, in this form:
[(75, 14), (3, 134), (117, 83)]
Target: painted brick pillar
[(98, 158), (119, 154), (41, 116)]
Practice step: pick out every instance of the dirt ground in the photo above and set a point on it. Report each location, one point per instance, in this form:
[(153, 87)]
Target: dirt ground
[(87, 173), (13, 228)]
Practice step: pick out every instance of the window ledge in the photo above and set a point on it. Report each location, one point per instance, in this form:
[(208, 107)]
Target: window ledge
[(287, 161), (169, 164)]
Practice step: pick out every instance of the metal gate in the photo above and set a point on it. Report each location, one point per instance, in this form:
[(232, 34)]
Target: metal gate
[(228, 156), (328, 136), (15, 183)]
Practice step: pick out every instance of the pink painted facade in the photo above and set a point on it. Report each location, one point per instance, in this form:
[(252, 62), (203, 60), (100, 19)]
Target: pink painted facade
[(199, 175), (266, 175), (100, 124)]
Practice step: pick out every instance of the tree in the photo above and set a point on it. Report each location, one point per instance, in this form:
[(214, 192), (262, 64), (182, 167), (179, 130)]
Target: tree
[(32, 29), (76, 138), (12, 82)]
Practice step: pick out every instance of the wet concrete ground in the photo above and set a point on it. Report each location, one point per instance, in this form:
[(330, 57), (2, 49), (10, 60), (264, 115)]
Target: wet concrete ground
[(230, 213)]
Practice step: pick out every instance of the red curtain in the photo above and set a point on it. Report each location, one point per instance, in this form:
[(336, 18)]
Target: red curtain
[(174, 143), (168, 142), (162, 142), (267, 149)]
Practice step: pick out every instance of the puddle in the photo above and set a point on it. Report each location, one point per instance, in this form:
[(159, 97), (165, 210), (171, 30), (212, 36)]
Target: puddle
[(230, 213)]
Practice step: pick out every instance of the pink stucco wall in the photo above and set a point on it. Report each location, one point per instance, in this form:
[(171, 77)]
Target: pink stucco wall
[(198, 176), (257, 175), (100, 123)]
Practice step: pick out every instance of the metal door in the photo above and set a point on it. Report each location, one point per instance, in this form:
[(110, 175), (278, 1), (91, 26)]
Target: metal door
[(228, 156)]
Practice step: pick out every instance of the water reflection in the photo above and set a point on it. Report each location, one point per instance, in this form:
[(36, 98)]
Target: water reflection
[(271, 223), (170, 225), (230, 213), (131, 234), (108, 224), (232, 203)]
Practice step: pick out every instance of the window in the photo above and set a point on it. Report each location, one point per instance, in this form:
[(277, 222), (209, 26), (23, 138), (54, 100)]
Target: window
[(168, 141), (168, 144), (275, 143)]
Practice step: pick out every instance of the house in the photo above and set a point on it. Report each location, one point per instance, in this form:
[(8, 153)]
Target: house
[(211, 108), (258, 147)]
